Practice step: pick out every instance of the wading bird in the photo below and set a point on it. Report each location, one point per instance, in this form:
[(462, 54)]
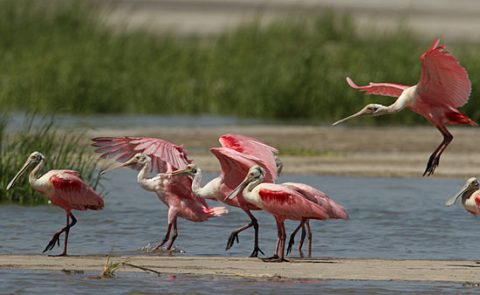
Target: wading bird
[(333, 209), (234, 168), (162, 157), (470, 194), (280, 201), (444, 86), (64, 189), (237, 154)]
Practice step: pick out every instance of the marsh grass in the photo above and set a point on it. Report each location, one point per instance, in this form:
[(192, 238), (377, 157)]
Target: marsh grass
[(61, 149), (60, 58)]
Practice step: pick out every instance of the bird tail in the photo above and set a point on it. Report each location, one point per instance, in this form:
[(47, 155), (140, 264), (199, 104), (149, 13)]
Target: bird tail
[(456, 117), (216, 211)]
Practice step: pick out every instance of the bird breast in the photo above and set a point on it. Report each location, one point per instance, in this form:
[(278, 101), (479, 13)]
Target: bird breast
[(472, 204)]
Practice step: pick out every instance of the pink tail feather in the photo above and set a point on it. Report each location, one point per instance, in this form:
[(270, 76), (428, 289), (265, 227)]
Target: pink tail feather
[(216, 211)]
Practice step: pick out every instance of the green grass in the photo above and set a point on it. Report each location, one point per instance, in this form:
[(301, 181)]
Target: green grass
[(61, 149), (59, 58)]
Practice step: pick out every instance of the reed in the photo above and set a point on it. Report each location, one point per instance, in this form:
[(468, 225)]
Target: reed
[(61, 149), (60, 58)]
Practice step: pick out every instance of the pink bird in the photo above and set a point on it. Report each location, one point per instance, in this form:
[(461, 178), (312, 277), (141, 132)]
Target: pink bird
[(174, 192), (470, 194), (333, 209), (280, 201), (444, 86), (63, 188), (237, 154)]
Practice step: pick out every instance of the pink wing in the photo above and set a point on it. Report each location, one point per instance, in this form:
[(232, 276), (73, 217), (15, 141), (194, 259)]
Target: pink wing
[(334, 210), (386, 89), (71, 192), (161, 151), (251, 146), (443, 80), (235, 166), (182, 187), (280, 200)]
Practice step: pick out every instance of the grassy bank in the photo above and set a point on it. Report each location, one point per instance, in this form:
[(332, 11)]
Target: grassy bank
[(62, 151), (61, 59)]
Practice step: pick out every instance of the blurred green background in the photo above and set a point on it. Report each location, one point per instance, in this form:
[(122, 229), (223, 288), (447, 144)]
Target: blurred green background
[(60, 57)]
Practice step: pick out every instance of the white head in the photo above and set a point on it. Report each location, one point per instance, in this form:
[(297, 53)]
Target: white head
[(371, 110), (34, 159), (255, 174), (189, 170), (471, 185), (139, 159)]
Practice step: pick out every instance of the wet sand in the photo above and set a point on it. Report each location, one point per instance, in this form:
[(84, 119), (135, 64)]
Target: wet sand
[(325, 150), (325, 268)]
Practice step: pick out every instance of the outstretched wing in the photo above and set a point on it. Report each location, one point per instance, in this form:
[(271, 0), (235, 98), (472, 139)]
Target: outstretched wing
[(443, 80), (73, 193), (252, 147), (160, 151), (386, 89), (235, 166)]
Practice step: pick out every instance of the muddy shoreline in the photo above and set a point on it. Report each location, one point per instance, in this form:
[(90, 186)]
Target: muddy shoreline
[(325, 150), (324, 268)]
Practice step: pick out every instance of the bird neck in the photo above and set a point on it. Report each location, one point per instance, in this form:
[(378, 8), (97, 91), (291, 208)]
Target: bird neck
[(404, 100), (32, 177), (208, 191), (467, 194), (142, 175), (252, 185), (247, 193)]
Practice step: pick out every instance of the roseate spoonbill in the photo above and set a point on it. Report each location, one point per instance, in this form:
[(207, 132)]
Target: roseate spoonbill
[(444, 86), (470, 194), (175, 193), (64, 189), (280, 201), (333, 209), (238, 153)]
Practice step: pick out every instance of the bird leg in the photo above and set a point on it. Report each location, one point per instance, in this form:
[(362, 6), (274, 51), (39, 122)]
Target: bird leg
[(174, 236), (167, 236), (309, 238), (291, 241), (302, 239), (56, 237), (234, 235), (279, 255), (434, 159)]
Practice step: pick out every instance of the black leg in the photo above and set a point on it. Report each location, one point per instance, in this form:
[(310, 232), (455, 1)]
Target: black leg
[(291, 241), (56, 237), (434, 159), (234, 235)]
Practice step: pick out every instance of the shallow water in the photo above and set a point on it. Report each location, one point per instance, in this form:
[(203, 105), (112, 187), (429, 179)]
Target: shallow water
[(42, 282), (389, 218)]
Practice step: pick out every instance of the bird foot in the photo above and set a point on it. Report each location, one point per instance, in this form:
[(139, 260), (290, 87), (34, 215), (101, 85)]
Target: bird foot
[(431, 165), (255, 252), (274, 258), (300, 252), (55, 240), (59, 255), (231, 240)]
